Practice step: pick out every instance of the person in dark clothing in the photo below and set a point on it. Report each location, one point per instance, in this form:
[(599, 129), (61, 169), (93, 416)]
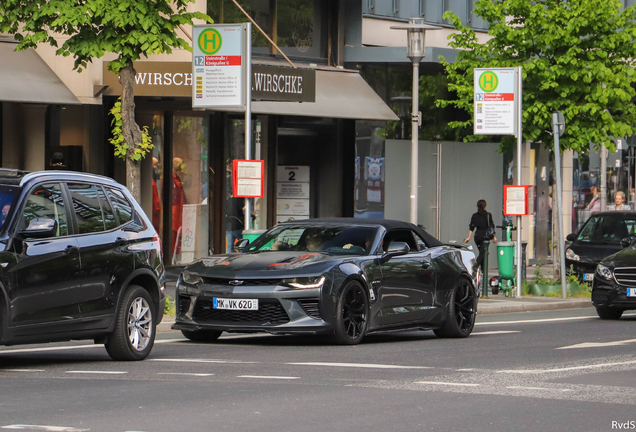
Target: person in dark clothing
[(479, 223)]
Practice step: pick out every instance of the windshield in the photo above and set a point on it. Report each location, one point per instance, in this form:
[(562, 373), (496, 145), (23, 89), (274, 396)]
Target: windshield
[(7, 201), (306, 238), (609, 229)]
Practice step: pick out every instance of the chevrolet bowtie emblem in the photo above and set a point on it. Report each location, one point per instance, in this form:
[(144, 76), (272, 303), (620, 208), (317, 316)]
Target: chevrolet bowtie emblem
[(236, 282)]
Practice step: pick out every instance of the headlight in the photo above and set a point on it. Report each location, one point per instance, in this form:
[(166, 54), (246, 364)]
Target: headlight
[(191, 279), (569, 254), (305, 282), (604, 271)]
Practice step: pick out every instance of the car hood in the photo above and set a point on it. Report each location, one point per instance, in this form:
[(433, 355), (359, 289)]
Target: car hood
[(624, 258), (593, 252), (270, 264)]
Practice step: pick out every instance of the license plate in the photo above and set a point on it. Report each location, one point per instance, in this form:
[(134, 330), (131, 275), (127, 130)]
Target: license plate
[(588, 276), (631, 292), (235, 304)]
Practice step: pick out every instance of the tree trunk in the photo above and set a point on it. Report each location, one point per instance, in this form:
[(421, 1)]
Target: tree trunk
[(130, 129)]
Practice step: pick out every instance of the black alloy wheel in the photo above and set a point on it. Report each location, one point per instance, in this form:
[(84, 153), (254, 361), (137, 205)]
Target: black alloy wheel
[(352, 312), (607, 313), (462, 311), (201, 335)]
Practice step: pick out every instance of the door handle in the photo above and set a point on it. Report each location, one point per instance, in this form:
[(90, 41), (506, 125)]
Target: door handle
[(121, 241), (426, 264), (70, 248)]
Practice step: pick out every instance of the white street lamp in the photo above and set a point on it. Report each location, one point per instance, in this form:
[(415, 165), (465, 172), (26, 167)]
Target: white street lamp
[(415, 51)]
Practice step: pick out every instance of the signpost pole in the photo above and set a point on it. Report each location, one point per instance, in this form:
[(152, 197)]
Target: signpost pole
[(519, 112), (559, 195), (248, 113)]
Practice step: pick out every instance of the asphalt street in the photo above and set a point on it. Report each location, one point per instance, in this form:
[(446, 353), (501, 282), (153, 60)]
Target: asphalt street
[(534, 371)]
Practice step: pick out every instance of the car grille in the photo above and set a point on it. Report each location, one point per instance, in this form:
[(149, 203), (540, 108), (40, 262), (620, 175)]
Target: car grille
[(270, 312), (625, 276), (311, 306), (184, 305), (233, 282)]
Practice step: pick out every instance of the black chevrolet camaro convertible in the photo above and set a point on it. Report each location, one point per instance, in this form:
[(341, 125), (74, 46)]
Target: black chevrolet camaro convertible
[(342, 277)]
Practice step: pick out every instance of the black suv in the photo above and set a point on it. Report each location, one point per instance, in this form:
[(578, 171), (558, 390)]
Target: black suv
[(79, 259)]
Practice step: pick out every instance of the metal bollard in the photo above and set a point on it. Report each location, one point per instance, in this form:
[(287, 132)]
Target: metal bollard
[(484, 290)]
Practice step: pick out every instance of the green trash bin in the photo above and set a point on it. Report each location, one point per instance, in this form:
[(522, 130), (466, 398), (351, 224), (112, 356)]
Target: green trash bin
[(506, 259), (252, 234)]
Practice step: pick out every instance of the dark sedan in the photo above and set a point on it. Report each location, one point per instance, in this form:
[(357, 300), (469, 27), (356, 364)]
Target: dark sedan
[(600, 237), (614, 287), (344, 277)]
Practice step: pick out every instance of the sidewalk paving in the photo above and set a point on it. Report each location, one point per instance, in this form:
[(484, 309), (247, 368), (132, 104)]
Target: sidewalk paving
[(495, 304)]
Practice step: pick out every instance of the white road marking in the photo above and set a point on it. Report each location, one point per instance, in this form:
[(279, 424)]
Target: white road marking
[(599, 344), (21, 370), (464, 370), (594, 366), (538, 388), (26, 350), (268, 377), (202, 361), (543, 320), (45, 428), (359, 365), (97, 372), (183, 373), (494, 332), (447, 383)]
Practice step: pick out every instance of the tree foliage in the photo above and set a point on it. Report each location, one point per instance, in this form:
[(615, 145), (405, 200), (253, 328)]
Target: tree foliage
[(578, 56), (132, 29)]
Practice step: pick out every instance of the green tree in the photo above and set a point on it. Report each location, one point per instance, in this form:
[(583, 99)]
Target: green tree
[(131, 29), (577, 56)]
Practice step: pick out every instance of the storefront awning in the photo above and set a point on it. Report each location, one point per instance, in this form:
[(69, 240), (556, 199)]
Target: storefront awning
[(25, 77), (339, 94)]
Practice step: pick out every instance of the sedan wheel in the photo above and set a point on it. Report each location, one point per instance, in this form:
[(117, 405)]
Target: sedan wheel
[(352, 313), (134, 333), (609, 313), (461, 312)]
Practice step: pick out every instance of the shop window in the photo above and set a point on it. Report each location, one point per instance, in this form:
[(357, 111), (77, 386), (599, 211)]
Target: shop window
[(226, 12)]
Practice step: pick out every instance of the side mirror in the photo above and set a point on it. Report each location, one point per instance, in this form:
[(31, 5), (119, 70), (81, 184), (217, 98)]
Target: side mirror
[(241, 245), (40, 228), (571, 237), (395, 249), (627, 241)]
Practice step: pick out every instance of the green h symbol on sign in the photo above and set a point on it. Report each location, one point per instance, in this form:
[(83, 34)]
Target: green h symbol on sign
[(210, 41), (488, 81)]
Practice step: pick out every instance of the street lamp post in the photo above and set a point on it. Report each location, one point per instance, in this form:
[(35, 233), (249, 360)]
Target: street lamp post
[(415, 51)]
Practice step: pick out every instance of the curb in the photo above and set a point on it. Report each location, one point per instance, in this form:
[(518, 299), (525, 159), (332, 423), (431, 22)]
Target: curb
[(165, 325), (530, 307)]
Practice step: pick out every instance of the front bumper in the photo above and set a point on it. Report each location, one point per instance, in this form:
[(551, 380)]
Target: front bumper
[(610, 294), (280, 311), (579, 268)]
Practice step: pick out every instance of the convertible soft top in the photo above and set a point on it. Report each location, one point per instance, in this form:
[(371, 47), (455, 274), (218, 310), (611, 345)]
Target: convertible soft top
[(388, 224)]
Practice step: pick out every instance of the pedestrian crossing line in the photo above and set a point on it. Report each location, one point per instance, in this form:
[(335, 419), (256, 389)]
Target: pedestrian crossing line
[(538, 388), (593, 366), (599, 344), (187, 374), (268, 377), (43, 428), (21, 370), (180, 360), (447, 383), (494, 332), (98, 372), (359, 365)]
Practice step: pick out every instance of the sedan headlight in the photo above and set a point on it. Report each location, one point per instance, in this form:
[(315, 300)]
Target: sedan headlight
[(569, 254), (190, 278), (604, 271), (305, 282)]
